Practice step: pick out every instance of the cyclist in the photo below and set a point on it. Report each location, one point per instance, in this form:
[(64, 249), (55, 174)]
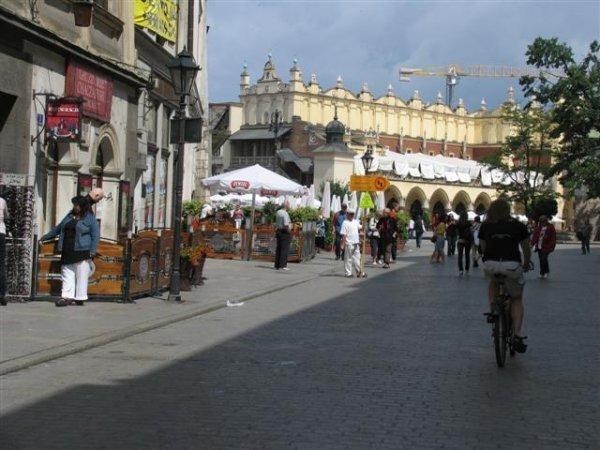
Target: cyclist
[(500, 237)]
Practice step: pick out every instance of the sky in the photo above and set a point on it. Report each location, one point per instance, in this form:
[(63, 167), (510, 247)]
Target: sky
[(368, 41)]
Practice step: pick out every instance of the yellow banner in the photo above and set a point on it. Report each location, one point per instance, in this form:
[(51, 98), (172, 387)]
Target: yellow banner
[(159, 16)]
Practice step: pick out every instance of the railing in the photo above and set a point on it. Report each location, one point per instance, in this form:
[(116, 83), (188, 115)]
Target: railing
[(244, 161)]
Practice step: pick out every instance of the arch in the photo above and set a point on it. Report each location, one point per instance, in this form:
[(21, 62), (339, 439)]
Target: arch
[(416, 194), (440, 195), (438, 209), (482, 202), (462, 201), (392, 194), (106, 156), (415, 208)]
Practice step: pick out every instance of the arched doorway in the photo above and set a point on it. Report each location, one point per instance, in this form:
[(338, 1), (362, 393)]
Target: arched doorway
[(480, 209), (460, 208), (416, 208), (439, 209)]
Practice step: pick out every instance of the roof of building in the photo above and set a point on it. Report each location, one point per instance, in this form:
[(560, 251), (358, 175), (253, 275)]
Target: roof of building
[(250, 134), (334, 147), (288, 155)]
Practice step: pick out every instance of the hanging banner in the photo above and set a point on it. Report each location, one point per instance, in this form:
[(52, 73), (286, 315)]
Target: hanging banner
[(95, 89), (63, 120), (159, 16)]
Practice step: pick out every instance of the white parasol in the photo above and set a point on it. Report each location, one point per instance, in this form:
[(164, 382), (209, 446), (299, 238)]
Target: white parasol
[(326, 200)]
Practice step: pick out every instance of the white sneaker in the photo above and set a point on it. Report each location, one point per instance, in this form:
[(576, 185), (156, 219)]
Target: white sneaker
[(285, 268), (460, 273)]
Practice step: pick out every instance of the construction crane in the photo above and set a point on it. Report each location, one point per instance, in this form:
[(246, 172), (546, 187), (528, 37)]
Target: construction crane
[(453, 73)]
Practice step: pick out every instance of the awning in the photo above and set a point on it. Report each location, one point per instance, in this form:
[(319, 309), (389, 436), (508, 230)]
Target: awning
[(254, 134), (287, 155)]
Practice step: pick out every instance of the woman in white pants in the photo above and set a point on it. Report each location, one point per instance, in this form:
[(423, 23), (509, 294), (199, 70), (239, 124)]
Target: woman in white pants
[(78, 239)]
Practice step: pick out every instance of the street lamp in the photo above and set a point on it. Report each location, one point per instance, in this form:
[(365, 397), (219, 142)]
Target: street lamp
[(183, 69), (82, 10), (274, 126), (367, 158)]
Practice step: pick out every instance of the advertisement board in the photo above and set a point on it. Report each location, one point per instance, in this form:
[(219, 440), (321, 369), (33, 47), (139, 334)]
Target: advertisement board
[(63, 120), (94, 88), (159, 16)]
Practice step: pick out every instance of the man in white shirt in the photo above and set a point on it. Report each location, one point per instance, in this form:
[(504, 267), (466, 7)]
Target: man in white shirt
[(3, 217), (351, 241), (284, 237)]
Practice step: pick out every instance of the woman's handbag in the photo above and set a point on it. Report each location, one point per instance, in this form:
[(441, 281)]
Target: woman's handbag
[(434, 238)]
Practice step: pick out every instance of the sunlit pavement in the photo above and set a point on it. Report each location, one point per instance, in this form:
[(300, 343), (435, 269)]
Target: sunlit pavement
[(402, 359)]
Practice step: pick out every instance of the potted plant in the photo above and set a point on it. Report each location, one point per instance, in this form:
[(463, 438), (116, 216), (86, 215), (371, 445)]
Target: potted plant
[(192, 265), (402, 219)]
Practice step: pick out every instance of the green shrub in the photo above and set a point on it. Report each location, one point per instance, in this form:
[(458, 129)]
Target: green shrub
[(403, 218), (192, 207), (329, 238), (427, 218), (304, 214), (269, 211)]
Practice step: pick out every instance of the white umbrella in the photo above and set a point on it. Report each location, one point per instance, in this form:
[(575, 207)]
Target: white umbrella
[(353, 201), (471, 215), (346, 200), (335, 204), (453, 215), (380, 204), (326, 200)]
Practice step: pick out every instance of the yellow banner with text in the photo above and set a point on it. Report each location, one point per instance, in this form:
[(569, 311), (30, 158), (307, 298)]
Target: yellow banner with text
[(159, 16)]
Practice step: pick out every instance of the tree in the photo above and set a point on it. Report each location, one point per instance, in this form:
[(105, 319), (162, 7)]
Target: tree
[(338, 188), (525, 155), (543, 206), (572, 90)]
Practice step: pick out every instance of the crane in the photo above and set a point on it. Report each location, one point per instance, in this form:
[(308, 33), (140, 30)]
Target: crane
[(453, 73)]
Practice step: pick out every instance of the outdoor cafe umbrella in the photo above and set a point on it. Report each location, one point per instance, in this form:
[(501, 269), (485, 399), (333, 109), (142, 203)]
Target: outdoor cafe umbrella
[(255, 180), (326, 200)]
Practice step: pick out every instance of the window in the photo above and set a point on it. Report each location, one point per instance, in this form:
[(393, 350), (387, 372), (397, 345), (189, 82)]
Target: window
[(451, 155), (166, 127), (408, 150), (151, 122), (266, 118), (430, 153)]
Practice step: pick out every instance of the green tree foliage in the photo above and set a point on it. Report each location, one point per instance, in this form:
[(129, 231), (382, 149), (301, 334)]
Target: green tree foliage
[(402, 220), (269, 211), (525, 155), (192, 207), (572, 89), (543, 206), (304, 214), (337, 188)]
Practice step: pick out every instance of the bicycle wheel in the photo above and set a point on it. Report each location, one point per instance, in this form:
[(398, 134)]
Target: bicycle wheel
[(500, 338)]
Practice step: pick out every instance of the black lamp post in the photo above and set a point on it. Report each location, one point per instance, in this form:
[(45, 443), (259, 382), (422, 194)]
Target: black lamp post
[(183, 70), (274, 127), (367, 158)]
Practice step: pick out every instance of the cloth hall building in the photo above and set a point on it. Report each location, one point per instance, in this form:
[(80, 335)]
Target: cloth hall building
[(429, 152)]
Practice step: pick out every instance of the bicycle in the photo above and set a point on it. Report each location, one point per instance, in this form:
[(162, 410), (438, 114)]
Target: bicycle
[(502, 329)]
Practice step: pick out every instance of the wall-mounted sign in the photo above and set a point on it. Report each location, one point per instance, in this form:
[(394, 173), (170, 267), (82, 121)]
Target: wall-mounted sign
[(63, 119), (159, 16), (239, 184), (269, 193), (94, 88), (192, 130)]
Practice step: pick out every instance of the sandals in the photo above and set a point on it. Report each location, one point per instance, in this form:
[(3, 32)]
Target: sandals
[(518, 345), (63, 302)]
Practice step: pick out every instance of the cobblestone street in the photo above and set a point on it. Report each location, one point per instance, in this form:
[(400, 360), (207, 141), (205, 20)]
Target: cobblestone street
[(403, 359)]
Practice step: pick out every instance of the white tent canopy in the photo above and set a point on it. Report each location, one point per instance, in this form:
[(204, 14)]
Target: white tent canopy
[(254, 179)]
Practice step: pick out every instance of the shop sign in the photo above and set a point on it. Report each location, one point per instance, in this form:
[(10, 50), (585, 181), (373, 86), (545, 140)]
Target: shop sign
[(15, 179), (63, 120), (368, 183), (239, 184), (269, 193), (159, 16), (95, 89)]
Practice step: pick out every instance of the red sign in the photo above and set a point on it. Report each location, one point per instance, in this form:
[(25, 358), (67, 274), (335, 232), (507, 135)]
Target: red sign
[(269, 193), (63, 119), (95, 89), (239, 184)]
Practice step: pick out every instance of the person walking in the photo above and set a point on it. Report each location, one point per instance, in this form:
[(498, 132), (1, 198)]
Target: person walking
[(78, 237), (439, 239), (350, 233), (338, 219), (419, 229), (320, 234), (475, 251), (374, 237), (585, 234), (3, 218), (388, 229), (465, 241), (451, 235), (544, 242), (283, 236), (411, 228), (394, 249)]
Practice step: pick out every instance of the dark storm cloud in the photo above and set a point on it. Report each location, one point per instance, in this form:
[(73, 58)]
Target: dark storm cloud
[(368, 41)]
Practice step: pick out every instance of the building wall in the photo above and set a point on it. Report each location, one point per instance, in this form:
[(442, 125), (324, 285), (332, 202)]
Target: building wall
[(387, 114)]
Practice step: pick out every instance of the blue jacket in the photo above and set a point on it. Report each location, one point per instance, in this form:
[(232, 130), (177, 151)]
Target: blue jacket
[(87, 233)]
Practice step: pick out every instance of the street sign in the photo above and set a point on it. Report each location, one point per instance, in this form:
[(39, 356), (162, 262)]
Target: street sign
[(368, 183), (366, 202)]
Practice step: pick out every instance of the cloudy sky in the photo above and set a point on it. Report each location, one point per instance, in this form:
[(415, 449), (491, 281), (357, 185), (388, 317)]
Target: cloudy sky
[(369, 40)]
